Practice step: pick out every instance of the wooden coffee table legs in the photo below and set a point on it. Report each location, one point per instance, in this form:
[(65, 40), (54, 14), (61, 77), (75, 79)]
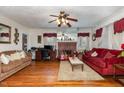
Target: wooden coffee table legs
[(82, 66)]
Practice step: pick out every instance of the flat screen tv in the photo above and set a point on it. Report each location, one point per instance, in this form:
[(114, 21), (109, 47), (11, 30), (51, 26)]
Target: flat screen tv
[(48, 47)]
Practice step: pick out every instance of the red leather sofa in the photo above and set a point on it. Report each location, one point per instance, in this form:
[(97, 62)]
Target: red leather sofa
[(100, 64)]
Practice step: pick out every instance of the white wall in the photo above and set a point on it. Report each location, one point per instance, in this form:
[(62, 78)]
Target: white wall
[(104, 24), (21, 29), (110, 19), (35, 32)]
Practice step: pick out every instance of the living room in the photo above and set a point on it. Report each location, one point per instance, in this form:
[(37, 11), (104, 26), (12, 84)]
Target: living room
[(91, 35)]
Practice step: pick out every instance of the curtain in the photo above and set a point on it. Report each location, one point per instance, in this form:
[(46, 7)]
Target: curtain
[(119, 26), (101, 38), (83, 42), (83, 34), (49, 34), (99, 32)]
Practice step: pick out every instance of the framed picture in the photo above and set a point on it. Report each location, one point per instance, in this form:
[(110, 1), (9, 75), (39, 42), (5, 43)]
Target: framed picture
[(5, 33), (39, 39)]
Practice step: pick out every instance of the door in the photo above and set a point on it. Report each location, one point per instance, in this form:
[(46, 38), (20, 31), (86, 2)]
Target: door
[(24, 42)]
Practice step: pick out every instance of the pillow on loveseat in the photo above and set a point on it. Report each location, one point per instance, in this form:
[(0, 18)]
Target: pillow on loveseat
[(121, 54), (108, 55), (22, 54), (94, 54), (88, 53), (4, 59), (15, 56)]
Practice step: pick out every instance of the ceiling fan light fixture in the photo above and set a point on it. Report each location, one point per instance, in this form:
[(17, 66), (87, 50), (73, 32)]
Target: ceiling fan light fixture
[(63, 19), (66, 21), (58, 21)]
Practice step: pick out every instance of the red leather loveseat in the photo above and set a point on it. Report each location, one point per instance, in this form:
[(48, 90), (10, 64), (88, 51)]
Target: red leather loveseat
[(101, 63)]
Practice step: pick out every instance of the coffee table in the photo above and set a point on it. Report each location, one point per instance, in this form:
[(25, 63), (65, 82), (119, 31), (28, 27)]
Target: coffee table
[(74, 61)]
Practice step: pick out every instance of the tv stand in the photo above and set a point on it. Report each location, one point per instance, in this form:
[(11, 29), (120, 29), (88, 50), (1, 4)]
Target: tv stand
[(38, 54)]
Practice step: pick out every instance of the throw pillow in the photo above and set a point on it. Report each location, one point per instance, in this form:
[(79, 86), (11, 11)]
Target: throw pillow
[(108, 55), (13, 57), (8, 57), (4, 59), (22, 54), (94, 54), (121, 54)]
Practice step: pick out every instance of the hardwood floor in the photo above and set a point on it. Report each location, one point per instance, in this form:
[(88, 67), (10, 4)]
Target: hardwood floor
[(45, 74)]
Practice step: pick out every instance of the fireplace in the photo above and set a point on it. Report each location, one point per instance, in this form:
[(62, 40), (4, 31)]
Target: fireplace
[(66, 47)]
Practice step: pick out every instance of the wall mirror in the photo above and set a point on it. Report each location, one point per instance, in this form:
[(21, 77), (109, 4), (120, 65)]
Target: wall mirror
[(5, 33)]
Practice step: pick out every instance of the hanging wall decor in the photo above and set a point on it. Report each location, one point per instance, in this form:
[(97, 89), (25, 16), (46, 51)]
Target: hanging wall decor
[(16, 35), (94, 37), (5, 33), (39, 39)]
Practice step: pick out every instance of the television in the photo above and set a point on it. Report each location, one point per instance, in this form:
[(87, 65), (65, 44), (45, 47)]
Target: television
[(50, 47)]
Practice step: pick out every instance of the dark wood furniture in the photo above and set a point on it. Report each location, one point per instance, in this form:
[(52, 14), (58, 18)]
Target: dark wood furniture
[(119, 67), (38, 54), (52, 54)]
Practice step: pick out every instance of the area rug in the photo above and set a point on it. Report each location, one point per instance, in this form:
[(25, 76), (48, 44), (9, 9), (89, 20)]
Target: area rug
[(66, 73)]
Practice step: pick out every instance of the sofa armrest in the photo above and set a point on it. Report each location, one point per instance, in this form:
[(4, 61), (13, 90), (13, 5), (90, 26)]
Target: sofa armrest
[(29, 54)]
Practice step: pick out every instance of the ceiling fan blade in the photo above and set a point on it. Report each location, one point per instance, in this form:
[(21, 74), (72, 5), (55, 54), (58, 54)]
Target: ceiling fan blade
[(69, 25), (72, 19), (52, 21), (54, 15)]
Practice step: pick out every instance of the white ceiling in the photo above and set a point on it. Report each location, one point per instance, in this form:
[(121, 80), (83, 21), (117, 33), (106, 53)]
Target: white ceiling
[(38, 16)]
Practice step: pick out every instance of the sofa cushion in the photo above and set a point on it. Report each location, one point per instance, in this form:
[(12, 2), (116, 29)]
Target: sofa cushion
[(11, 65), (13, 57), (98, 62), (103, 53)]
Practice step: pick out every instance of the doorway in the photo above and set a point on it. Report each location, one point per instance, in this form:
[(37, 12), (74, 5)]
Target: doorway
[(24, 42)]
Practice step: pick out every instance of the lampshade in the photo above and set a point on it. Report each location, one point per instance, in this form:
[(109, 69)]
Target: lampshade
[(122, 46)]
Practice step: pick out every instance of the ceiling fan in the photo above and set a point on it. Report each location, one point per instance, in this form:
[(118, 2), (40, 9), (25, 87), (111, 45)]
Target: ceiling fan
[(63, 18)]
